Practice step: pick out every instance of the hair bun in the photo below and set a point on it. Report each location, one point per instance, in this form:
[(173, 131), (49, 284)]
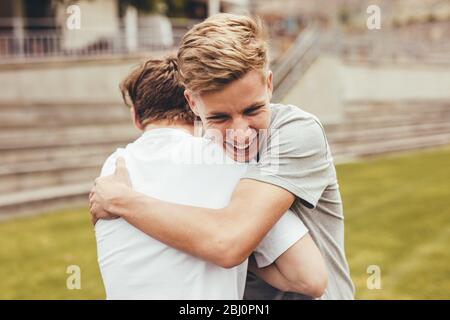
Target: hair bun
[(172, 61)]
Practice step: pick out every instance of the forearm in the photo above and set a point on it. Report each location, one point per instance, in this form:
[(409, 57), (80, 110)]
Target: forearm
[(303, 266), (270, 274), (224, 236), (173, 224)]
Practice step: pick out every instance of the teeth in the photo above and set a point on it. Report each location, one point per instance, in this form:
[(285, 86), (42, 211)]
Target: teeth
[(240, 147)]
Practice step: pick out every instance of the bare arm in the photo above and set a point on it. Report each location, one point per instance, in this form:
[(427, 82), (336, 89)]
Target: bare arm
[(304, 267), (299, 269), (223, 236), (271, 275)]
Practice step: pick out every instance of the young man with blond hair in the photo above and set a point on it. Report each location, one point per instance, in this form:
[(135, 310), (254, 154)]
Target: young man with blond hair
[(136, 266), (224, 68)]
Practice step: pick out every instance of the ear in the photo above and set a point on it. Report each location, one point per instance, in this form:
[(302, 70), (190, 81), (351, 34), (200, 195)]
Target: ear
[(135, 119), (270, 83), (191, 101)]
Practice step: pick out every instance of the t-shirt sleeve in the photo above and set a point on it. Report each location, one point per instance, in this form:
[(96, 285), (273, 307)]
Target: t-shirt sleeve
[(283, 235), (295, 156)]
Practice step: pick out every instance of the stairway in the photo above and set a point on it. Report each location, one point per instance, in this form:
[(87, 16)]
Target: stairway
[(50, 154), (371, 128)]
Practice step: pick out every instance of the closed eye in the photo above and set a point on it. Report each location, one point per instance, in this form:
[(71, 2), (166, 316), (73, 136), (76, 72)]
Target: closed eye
[(218, 118), (252, 110)]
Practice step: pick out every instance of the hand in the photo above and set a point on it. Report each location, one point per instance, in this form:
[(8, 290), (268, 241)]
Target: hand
[(108, 189)]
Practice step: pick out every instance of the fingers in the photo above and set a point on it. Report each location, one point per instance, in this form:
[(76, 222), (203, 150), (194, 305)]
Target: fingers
[(91, 196), (92, 201), (121, 171), (93, 208), (120, 166), (96, 210), (120, 162)]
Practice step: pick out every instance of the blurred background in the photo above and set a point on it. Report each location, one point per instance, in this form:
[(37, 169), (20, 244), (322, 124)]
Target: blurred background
[(383, 95)]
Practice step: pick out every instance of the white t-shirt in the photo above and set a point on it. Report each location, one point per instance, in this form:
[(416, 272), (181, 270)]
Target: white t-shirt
[(165, 164)]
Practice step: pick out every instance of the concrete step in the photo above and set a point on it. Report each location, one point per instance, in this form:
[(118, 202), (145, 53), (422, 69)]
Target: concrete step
[(350, 135), (399, 118), (364, 149), (51, 115), (34, 155), (378, 122), (50, 155), (46, 199), (43, 166), (29, 176), (356, 109), (66, 136)]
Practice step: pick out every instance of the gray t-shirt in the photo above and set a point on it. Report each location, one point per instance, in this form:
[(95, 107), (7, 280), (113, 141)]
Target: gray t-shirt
[(297, 157)]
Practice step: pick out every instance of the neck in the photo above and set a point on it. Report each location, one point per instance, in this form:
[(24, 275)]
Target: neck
[(175, 124)]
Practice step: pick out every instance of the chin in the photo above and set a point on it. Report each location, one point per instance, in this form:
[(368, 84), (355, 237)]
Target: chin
[(243, 157), (247, 155)]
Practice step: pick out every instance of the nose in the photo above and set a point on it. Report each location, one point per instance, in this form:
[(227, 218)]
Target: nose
[(241, 133), (240, 124)]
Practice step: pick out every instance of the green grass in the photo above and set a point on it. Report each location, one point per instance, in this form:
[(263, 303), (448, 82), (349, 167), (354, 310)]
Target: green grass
[(397, 217), (35, 253)]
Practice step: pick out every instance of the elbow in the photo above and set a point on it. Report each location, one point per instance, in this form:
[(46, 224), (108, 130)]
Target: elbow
[(314, 286), (317, 287), (227, 254), (230, 261)]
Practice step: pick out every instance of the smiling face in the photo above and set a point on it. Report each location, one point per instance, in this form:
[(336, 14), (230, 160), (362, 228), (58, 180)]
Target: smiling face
[(239, 113)]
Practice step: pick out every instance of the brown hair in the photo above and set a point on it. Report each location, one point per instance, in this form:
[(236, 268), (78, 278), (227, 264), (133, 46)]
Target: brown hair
[(221, 49), (155, 92)]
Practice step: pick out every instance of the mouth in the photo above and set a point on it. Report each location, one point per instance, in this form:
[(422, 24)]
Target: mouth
[(240, 147), (243, 150)]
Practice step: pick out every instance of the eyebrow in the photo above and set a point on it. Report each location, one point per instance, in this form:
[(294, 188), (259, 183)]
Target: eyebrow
[(218, 114), (255, 105)]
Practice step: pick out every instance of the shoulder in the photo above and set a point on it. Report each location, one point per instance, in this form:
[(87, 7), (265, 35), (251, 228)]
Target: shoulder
[(297, 128), (197, 149), (287, 114), (206, 151)]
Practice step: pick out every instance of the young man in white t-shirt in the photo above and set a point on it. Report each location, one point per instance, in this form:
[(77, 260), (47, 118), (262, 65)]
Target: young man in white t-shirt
[(169, 163)]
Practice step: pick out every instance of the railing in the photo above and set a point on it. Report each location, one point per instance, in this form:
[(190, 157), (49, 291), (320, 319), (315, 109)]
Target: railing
[(43, 39), (38, 46), (295, 61), (365, 47)]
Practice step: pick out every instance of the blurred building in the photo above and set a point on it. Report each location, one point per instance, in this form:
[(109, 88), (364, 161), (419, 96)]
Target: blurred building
[(42, 28), (61, 113), (32, 28)]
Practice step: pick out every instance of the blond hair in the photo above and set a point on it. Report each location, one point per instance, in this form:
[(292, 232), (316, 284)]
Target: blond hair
[(221, 49)]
